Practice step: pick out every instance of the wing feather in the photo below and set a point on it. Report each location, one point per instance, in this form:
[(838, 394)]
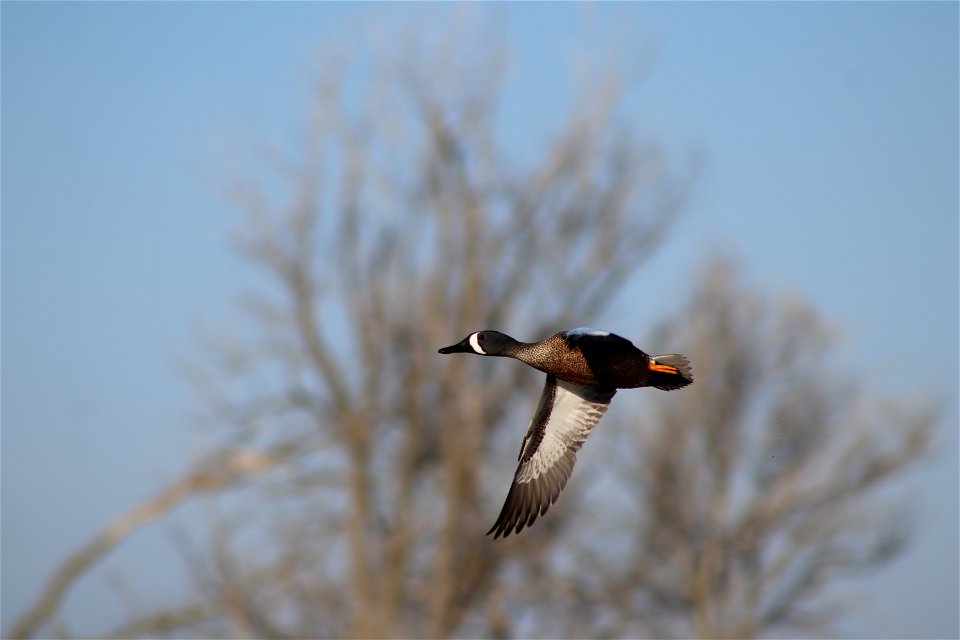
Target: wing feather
[(565, 415)]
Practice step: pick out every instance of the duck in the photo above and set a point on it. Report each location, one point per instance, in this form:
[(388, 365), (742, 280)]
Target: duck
[(585, 367)]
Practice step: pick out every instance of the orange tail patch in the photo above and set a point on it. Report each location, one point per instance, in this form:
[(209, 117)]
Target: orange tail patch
[(669, 371), (662, 368)]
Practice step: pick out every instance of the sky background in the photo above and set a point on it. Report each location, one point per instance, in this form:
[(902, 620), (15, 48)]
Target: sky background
[(828, 138)]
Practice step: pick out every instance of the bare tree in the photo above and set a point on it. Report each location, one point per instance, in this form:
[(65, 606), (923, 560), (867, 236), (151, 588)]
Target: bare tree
[(401, 224), (751, 497)]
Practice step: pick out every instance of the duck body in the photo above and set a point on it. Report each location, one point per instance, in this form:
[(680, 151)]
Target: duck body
[(584, 368), (584, 356)]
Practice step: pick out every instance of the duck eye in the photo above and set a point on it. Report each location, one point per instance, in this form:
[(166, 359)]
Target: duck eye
[(480, 337)]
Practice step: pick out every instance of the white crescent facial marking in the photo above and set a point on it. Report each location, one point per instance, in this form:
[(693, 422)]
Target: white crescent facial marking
[(476, 344)]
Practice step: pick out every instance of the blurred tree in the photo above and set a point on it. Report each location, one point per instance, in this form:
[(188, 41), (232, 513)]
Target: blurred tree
[(400, 225), (747, 500)]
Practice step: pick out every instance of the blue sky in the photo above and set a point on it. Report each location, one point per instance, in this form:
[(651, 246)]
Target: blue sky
[(829, 140)]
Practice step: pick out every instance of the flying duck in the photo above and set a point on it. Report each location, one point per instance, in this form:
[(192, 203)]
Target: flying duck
[(584, 368)]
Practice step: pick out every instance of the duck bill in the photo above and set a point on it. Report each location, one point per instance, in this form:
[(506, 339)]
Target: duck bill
[(461, 347)]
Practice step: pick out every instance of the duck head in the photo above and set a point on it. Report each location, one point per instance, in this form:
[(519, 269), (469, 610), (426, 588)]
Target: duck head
[(483, 343)]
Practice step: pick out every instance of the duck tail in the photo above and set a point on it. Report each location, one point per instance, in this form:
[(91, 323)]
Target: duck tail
[(669, 371)]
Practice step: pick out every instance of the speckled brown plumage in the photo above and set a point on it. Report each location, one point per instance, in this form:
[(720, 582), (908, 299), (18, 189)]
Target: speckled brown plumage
[(609, 362)]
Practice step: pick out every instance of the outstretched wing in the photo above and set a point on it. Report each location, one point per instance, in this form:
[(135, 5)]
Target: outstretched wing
[(565, 415)]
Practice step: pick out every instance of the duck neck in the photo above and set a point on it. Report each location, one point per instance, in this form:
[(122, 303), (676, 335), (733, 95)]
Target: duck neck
[(531, 353), (512, 348)]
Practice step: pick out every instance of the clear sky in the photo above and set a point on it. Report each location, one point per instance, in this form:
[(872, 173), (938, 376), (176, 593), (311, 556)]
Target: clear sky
[(829, 137)]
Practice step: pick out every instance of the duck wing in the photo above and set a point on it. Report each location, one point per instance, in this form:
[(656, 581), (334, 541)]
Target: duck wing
[(565, 415)]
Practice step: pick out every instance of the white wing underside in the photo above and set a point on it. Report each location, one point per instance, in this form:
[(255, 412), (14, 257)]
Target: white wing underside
[(566, 414), (571, 420)]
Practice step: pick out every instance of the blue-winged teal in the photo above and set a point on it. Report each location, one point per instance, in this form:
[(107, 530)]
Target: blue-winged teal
[(584, 368)]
